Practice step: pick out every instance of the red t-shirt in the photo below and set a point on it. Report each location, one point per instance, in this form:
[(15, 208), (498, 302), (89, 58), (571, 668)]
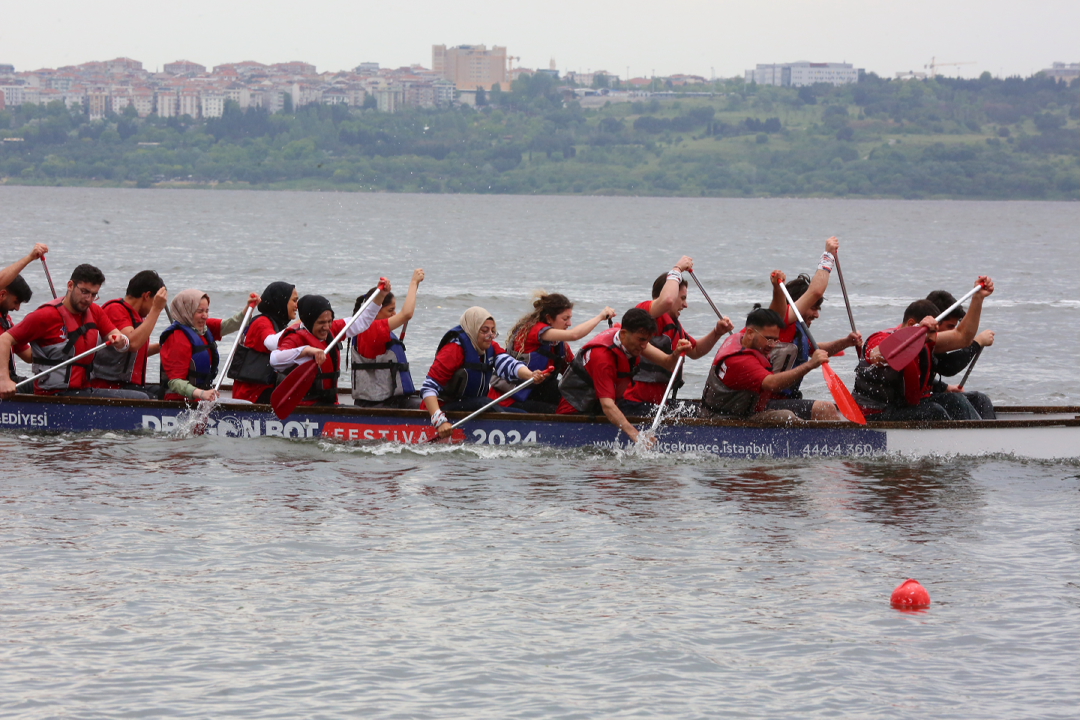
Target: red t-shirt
[(259, 329), (176, 354), (45, 327), (118, 313), (746, 371), (653, 392), (372, 342), (604, 371)]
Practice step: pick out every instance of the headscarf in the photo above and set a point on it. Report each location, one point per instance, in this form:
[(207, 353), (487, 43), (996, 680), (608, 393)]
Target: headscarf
[(310, 308), (275, 302), (471, 320), (185, 304)]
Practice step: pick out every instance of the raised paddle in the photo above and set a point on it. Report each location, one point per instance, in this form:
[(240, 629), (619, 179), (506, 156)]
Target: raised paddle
[(496, 401), (296, 384), (847, 302), (48, 276), (904, 345), (706, 295), (239, 334), (978, 354), (667, 392), (847, 405), (64, 364)]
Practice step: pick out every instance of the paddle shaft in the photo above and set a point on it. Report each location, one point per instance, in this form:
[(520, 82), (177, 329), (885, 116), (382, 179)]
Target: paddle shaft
[(707, 298), (239, 334), (900, 348), (62, 365), (798, 316), (667, 392), (847, 303), (496, 401), (48, 276), (963, 380)]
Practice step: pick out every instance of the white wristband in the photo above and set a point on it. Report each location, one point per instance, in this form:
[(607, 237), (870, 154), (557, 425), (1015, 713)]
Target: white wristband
[(675, 274), (438, 419), (827, 262)]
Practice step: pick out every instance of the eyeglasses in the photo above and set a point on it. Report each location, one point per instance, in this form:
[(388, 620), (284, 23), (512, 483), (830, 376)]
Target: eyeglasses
[(488, 333), (768, 340), (87, 293)]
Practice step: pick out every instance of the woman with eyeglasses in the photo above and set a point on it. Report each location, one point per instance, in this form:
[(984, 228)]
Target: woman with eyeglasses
[(189, 354), (467, 357)]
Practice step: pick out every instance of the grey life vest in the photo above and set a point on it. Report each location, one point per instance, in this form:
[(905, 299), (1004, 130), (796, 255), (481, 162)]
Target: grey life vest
[(381, 377), (723, 400), (81, 334), (114, 366)]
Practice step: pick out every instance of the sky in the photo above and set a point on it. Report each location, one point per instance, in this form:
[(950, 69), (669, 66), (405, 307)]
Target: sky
[(717, 38)]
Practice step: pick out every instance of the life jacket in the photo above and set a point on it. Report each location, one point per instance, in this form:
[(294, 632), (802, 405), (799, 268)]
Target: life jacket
[(578, 387), (550, 353), (718, 397), (670, 332), (324, 387), (786, 355), (879, 386), (5, 325), (250, 365), (112, 365), (382, 377), (473, 378), (204, 357), (82, 335)]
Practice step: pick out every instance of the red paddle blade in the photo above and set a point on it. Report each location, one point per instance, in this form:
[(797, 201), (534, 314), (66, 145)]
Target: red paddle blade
[(847, 405), (292, 389), (903, 346)]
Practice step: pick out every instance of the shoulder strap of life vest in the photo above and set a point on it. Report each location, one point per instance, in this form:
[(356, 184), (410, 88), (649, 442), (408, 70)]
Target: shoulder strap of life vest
[(123, 303)]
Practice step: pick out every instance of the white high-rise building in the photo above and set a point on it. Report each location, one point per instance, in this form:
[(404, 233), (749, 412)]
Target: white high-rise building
[(801, 73)]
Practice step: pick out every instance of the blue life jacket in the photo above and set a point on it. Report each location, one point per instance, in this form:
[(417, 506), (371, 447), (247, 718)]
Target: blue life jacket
[(204, 357), (473, 378), (802, 349)]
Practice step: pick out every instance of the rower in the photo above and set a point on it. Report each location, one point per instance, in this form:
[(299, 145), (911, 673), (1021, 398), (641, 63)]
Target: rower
[(955, 362), (744, 382), (135, 315), (668, 301), (254, 379), (58, 331), (467, 358), (380, 368), (541, 340), (12, 271), (308, 343), (600, 375), (885, 394), (188, 347), (11, 298)]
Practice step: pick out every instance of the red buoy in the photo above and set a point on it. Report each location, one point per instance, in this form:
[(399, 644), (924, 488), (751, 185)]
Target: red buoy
[(911, 595)]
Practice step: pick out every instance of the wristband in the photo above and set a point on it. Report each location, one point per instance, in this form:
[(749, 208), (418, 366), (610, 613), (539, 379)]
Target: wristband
[(827, 262), (675, 274), (438, 419)]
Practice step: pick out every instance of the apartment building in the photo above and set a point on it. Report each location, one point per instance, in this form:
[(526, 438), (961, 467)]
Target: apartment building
[(798, 74), (470, 66)]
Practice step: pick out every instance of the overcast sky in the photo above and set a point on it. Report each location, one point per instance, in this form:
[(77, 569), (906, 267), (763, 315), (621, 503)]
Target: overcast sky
[(662, 37)]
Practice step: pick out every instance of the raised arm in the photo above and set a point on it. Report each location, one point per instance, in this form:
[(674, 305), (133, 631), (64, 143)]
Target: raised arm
[(408, 308), (820, 282), (669, 296), (580, 330), (968, 328), (139, 336), (8, 274), (779, 301)]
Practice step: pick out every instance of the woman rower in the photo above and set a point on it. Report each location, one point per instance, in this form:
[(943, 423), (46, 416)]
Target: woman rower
[(380, 369), (540, 340), (189, 355), (464, 363), (308, 343), (254, 378)]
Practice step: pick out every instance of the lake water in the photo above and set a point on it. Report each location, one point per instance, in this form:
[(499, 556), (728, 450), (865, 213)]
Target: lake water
[(264, 578)]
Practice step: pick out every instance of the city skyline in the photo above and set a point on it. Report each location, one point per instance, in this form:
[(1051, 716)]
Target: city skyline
[(716, 40)]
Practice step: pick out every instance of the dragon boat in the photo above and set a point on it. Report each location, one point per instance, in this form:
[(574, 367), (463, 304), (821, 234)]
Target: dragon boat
[(1038, 432)]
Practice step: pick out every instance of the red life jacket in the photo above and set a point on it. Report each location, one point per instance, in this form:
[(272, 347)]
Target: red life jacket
[(81, 335), (577, 386), (669, 331), (324, 388), (721, 399), (879, 383)]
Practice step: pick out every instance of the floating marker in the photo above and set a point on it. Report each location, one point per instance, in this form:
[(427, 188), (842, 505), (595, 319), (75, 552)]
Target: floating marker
[(911, 595)]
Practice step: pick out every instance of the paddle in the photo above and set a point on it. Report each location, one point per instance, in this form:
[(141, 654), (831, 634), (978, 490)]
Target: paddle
[(904, 345), (706, 295), (64, 364), (978, 354), (496, 401), (847, 302), (239, 334), (48, 276), (847, 405), (296, 384), (667, 391)]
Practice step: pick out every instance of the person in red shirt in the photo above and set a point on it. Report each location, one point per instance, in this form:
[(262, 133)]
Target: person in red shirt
[(136, 314), (58, 331), (189, 354), (600, 375), (742, 382), (254, 378), (669, 300), (380, 368), (11, 298), (541, 340)]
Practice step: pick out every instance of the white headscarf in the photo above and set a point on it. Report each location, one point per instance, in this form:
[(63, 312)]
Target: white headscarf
[(471, 320)]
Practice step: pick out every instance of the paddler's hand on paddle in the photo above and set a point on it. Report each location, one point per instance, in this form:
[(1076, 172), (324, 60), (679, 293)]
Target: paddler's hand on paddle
[(205, 395), (537, 376), (723, 326), (832, 245), (384, 290), (118, 340), (7, 388), (987, 286), (161, 299), (818, 358), (777, 278), (930, 323), (853, 339), (38, 251), (685, 263), (314, 352), (985, 338), (418, 276), (645, 440), (253, 300)]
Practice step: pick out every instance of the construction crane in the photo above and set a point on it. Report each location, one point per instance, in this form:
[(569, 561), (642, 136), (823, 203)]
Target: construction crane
[(934, 65)]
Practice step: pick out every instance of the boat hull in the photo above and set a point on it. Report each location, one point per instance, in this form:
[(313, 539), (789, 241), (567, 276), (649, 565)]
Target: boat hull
[(1052, 433)]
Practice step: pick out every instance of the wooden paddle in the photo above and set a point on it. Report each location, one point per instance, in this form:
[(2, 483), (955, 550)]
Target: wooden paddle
[(904, 345), (978, 354), (296, 384), (709, 299), (48, 276), (847, 302), (496, 401), (844, 401)]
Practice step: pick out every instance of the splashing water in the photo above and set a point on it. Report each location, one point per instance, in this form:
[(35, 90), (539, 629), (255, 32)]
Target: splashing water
[(190, 423)]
